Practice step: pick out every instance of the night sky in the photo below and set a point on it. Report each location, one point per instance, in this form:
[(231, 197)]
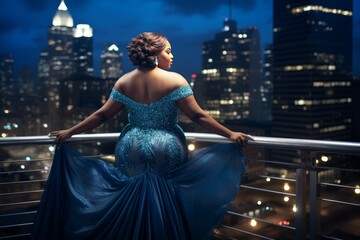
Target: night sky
[(186, 23)]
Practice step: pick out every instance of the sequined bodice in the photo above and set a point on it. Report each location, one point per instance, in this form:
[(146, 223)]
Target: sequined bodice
[(160, 114), (152, 140)]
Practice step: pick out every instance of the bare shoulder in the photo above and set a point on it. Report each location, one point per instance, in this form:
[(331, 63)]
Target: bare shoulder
[(122, 80), (177, 79)]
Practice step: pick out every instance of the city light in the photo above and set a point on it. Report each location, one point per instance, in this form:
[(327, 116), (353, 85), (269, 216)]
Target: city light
[(319, 8), (324, 158), (286, 199), (294, 208), (284, 223), (113, 47), (286, 187), (357, 189), (253, 222), (46, 169), (191, 147)]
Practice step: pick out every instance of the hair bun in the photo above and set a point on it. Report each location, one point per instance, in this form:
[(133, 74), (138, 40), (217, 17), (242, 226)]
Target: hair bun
[(144, 48)]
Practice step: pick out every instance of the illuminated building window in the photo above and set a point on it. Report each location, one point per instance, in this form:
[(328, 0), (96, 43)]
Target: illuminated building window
[(332, 84), (310, 67), (318, 8), (301, 102), (333, 129), (231, 70), (209, 71)]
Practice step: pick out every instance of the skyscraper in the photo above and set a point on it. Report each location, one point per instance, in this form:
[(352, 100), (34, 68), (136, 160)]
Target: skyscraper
[(312, 69), (76, 105), (231, 73), (43, 69), (83, 49), (69, 50), (57, 61), (111, 62), (60, 45), (266, 87), (7, 83)]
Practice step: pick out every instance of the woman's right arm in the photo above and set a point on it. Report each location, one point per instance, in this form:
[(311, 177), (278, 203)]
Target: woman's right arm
[(107, 111), (191, 109)]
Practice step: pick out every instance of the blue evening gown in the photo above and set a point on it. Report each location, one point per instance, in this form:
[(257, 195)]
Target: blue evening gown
[(153, 191)]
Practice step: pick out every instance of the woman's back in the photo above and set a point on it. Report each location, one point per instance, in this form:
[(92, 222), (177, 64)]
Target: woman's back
[(149, 85)]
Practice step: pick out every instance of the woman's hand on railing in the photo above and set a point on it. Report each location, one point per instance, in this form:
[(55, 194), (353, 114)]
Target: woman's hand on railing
[(240, 138), (60, 136)]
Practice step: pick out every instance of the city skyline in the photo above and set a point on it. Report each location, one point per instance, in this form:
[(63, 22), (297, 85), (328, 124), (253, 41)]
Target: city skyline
[(295, 186), (186, 26)]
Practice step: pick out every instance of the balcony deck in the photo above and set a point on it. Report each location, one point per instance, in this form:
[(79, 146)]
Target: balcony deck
[(316, 197)]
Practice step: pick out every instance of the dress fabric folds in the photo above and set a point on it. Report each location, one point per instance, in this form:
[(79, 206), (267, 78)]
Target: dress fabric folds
[(153, 191)]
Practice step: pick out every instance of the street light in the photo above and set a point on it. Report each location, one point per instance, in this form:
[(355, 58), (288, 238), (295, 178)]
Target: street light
[(357, 189), (253, 222), (191, 147)]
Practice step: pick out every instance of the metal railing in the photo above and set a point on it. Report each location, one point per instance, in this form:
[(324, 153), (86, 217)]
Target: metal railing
[(306, 180)]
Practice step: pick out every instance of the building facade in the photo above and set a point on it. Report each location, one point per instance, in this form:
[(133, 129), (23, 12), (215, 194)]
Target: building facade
[(83, 50), (231, 78), (7, 83), (312, 69), (111, 62), (266, 88)]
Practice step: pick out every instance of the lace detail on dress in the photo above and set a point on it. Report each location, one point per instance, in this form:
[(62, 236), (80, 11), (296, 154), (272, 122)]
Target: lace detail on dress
[(144, 150)]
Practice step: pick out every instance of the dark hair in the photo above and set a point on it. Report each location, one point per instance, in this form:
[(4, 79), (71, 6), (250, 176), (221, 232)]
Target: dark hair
[(145, 47)]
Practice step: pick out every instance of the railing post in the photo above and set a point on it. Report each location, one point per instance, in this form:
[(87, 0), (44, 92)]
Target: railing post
[(300, 214), (314, 205)]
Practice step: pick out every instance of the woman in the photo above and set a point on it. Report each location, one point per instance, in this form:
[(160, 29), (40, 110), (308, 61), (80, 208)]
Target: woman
[(153, 191)]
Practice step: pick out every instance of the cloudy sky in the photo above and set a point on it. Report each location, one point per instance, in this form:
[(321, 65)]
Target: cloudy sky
[(187, 24)]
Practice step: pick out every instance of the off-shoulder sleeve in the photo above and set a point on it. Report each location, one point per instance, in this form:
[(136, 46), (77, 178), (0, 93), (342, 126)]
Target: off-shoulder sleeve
[(117, 97), (182, 92)]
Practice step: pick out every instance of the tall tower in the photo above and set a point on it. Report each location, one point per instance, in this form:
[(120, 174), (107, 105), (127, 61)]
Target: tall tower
[(44, 70), (56, 62), (266, 87), (111, 62), (60, 45), (83, 49), (312, 69), (7, 83), (231, 73)]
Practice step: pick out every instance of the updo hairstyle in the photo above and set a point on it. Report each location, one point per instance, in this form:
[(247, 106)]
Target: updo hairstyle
[(144, 48)]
